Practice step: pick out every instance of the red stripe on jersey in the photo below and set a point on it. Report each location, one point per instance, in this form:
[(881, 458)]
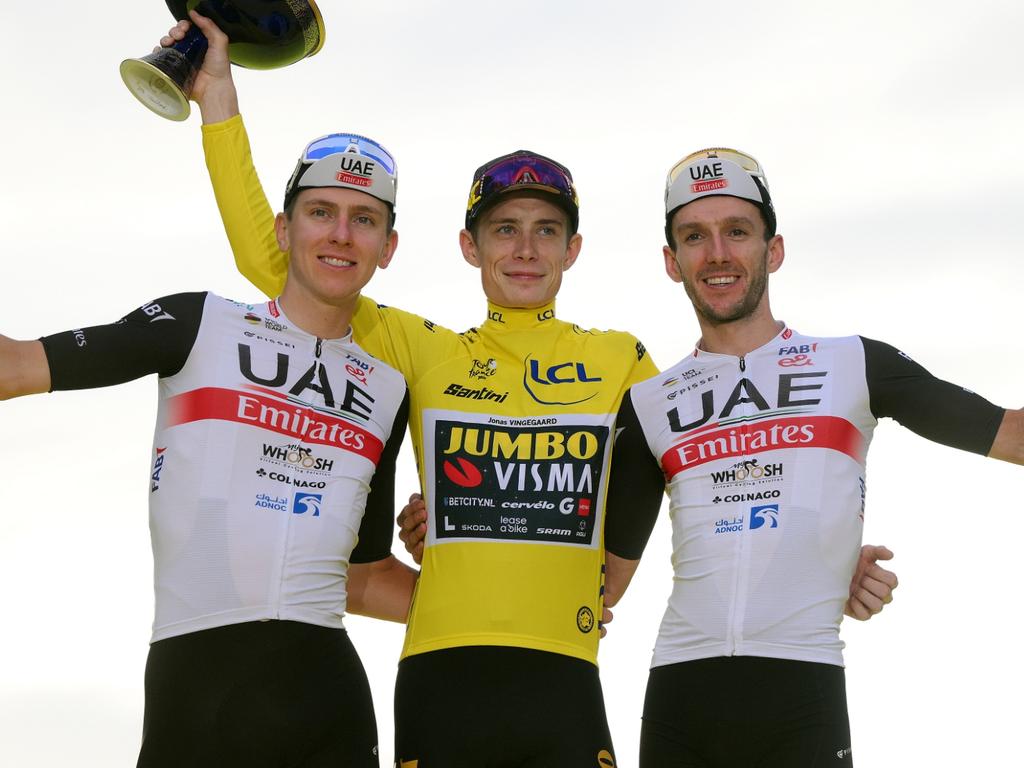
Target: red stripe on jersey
[(772, 435), (296, 421)]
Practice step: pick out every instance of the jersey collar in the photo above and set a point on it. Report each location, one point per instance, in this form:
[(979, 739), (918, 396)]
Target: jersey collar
[(514, 318), (781, 336)]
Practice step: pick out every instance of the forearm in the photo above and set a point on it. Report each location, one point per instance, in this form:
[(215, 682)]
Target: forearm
[(24, 369), (381, 590), (618, 574), (1009, 442)]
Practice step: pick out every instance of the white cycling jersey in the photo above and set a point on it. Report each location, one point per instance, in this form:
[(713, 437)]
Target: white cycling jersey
[(266, 442), (764, 456)]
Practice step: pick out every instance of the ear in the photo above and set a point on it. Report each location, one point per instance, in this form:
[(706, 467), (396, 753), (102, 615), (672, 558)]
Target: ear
[(468, 246), (389, 250), (281, 230), (572, 250), (776, 253), (671, 265)]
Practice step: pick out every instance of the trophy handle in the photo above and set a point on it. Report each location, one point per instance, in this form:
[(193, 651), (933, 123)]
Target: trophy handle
[(162, 81)]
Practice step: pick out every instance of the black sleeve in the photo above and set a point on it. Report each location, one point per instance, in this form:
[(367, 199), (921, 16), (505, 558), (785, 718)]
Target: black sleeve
[(635, 488), (903, 390), (376, 531), (155, 338)]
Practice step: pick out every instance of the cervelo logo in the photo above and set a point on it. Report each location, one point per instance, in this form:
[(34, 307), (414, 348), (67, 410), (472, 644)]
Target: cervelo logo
[(569, 372)]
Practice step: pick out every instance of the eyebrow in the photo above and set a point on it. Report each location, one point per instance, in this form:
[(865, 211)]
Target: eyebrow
[(724, 222), (514, 220)]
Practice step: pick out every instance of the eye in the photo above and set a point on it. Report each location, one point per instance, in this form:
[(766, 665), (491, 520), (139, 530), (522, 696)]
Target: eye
[(547, 230), (738, 232), (319, 213), (364, 220), (693, 237), (505, 229)]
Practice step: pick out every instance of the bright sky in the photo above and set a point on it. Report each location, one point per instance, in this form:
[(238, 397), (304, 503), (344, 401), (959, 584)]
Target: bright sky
[(890, 133)]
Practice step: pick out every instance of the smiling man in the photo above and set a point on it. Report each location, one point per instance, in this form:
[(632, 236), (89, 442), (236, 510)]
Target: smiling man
[(272, 487), (762, 433)]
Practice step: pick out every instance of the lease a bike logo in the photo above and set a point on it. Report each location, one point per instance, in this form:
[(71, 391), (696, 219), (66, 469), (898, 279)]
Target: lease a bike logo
[(560, 383)]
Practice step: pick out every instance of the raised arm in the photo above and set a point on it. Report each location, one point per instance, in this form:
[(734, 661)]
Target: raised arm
[(244, 209), (23, 368)]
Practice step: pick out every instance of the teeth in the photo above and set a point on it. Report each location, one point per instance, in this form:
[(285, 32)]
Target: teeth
[(721, 280), (336, 262)]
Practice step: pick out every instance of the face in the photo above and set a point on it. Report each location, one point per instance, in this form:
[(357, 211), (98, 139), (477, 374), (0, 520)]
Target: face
[(522, 248), (722, 259), (337, 238)]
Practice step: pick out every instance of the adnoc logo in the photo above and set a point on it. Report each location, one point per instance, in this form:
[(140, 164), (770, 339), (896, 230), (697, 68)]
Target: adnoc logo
[(306, 503), (767, 515)]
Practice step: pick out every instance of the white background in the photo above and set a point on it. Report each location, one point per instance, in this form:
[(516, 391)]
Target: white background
[(891, 135)]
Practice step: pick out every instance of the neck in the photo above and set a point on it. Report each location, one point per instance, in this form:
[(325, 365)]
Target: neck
[(738, 337), (315, 316)]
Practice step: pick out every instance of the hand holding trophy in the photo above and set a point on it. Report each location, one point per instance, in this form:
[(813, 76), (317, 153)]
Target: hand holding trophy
[(263, 34)]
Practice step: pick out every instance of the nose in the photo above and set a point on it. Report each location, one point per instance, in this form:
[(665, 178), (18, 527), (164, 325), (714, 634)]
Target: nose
[(717, 251), (340, 233), (526, 248)]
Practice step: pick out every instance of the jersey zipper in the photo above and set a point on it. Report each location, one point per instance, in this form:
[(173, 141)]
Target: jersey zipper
[(741, 562)]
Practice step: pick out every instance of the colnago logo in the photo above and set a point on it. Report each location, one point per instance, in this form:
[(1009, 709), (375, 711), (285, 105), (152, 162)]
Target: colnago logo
[(745, 438), (750, 496), (299, 456), (746, 470)]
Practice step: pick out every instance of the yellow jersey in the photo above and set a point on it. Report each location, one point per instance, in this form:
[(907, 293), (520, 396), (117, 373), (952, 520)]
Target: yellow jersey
[(512, 425)]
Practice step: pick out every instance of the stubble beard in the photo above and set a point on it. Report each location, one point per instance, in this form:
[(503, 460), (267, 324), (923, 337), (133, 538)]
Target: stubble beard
[(745, 307)]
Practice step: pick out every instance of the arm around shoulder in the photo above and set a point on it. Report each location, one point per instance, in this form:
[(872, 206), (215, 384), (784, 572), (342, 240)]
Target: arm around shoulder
[(24, 369), (1009, 442)]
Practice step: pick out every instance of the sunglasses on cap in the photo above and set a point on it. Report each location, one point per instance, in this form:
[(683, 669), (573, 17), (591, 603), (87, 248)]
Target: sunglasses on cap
[(522, 170), (348, 142)]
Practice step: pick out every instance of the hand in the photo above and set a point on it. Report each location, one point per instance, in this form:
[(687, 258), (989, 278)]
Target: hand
[(412, 525), (213, 89), (606, 619), (872, 585)]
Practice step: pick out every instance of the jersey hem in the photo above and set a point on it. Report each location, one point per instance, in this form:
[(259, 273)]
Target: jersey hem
[(767, 650), (263, 613), (502, 641)]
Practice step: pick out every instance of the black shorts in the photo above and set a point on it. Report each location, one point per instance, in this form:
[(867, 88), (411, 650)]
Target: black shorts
[(499, 707), (740, 711), (269, 694)]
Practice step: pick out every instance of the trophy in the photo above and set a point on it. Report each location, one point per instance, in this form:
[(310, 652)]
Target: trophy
[(263, 34)]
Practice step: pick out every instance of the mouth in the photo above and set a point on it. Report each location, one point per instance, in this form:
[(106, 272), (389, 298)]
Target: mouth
[(523, 276), (335, 261), (720, 281)]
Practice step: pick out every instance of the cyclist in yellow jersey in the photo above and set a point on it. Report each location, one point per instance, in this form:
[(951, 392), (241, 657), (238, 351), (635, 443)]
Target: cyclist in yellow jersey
[(511, 425)]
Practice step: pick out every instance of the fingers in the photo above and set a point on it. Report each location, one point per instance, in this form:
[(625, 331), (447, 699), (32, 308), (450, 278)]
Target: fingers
[(888, 578), (606, 617), (412, 526), (874, 552), (208, 28)]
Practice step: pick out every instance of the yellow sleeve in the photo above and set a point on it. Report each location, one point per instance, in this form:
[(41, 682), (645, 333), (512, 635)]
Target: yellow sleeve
[(247, 216), (407, 342), (644, 367)]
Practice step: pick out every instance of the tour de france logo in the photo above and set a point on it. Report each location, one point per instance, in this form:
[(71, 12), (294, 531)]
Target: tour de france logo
[(584, 619)]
